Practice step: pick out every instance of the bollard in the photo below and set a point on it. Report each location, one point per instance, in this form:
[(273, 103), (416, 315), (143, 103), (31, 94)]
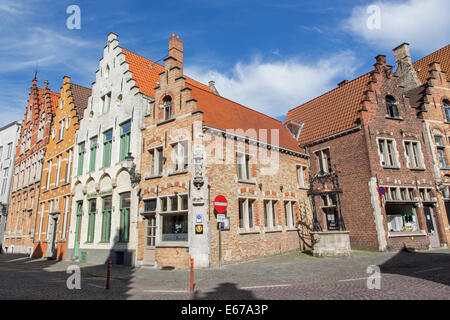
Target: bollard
[(108, 276), (192, 275)]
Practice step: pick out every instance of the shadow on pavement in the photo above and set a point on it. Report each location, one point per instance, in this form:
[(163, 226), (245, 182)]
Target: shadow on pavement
[(22, 277), (431, 266), (226, 290)]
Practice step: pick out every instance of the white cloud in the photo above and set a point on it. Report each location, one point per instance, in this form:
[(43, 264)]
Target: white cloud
[(423, 24), (276, 87)]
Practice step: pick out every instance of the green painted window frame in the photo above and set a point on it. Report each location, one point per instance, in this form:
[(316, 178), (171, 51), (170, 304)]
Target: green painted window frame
[(124, 140), (107, 147), (124, 227), (81, 152), (91, 222), (106, 221), (93, 154)]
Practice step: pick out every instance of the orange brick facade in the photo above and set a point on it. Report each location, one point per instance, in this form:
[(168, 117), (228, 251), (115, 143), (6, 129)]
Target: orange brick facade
[(53, 215), (26, 182)]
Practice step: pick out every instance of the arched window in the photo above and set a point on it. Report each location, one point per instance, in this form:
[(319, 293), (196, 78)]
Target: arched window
[(107, 71), (391, 106), (167, 108), (446, 110)]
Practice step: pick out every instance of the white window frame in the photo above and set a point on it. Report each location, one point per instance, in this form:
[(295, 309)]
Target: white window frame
[(271, 222), (180, 155), (156, 164), (322, 160), (409, 151), (385, 155), (290, 223), (247, 203), (301, 176), (244, 161), (58, 171), (49, 174)]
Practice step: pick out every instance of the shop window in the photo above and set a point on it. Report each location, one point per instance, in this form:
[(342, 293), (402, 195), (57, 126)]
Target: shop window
[(401, 218), (174, 215)]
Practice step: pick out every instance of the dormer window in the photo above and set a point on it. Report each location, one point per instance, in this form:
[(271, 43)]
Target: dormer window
[(391, 106)]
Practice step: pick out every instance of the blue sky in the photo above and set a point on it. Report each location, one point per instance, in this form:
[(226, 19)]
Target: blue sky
[(270, 55)]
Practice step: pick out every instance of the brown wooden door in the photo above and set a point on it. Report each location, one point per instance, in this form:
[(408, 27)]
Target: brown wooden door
[(150, 240)]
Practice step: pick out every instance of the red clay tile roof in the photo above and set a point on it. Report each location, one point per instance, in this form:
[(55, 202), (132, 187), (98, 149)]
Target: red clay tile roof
[(225, 114), (331, 112), (146, 76), (442, 56), (80, 98)]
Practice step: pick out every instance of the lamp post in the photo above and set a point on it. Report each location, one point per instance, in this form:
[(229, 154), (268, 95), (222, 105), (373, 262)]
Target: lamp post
[(135, 177)]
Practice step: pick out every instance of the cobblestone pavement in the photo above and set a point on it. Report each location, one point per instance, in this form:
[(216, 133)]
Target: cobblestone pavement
[(292, 276)]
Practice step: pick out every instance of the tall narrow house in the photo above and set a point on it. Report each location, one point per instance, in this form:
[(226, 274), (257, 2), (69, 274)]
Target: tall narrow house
[(108, 144), (55, 201), (29, 156), (9, 136)]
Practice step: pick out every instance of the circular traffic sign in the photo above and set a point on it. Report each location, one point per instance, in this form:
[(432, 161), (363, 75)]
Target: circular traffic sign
[(220, 204), (382, 190)]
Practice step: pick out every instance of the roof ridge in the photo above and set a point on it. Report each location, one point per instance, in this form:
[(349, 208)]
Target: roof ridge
[(219, 96), (328, 92), (137, 54)]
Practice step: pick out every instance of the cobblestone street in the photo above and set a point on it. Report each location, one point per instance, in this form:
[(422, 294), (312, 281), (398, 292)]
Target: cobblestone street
[(292, 276)]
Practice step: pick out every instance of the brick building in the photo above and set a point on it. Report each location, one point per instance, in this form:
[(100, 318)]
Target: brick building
[(29, 156), (53, 215), (427, 84), (367, 131), (9, 136), (197, 145)]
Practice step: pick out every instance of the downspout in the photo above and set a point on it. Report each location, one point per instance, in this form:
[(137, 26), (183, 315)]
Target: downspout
[(209, 224)]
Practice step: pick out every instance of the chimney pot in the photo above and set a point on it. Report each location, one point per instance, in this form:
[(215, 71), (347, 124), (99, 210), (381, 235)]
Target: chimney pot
[(342, 83)]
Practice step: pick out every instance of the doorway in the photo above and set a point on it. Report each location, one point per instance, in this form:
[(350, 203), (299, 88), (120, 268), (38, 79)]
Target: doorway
[(431, 227), (76, 247), (150, 240)]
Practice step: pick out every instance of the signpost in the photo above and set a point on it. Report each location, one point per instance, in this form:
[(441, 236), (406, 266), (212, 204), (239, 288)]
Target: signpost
[(220, 205), (381, 192)]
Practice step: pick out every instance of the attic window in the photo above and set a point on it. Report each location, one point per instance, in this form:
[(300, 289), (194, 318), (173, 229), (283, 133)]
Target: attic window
[(167, 108), (391, 106)]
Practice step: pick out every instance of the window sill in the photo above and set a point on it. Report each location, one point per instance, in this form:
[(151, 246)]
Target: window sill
[(175, 173), (173, 245), (417, 169), (393, 118), (104, 242), (65, 184), (57, 142), (395, 234), (153, 177), (165, 121), (445, 169), (303, 188), (273, 230), (247, 182), (391, 167), (288, 229), (248, 231)]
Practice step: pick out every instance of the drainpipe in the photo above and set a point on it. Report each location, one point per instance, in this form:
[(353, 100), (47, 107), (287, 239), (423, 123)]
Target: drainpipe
[(209, 224)]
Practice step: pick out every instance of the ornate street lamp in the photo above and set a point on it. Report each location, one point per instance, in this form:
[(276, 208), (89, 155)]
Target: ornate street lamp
[(135, 177)]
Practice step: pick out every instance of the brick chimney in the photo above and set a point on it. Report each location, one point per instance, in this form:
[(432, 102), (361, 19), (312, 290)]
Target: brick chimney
[(176, 49), (406, 73)]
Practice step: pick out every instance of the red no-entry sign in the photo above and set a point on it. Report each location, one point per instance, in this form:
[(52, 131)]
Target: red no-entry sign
[(220, 204)]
